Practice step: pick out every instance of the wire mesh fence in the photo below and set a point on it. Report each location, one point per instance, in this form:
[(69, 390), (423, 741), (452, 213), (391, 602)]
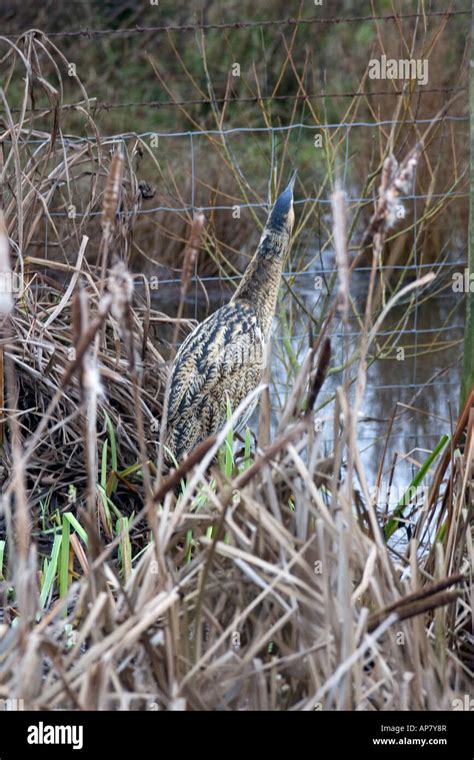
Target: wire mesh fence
[(413, 378), (428, 342), (416, 359)]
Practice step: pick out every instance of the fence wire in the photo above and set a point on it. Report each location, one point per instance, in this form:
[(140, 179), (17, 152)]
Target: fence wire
[(416, 268), (243, 25), (436, 328)]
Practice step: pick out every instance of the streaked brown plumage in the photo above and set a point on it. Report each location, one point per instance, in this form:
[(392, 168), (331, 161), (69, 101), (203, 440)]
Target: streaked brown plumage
[(225, 356)]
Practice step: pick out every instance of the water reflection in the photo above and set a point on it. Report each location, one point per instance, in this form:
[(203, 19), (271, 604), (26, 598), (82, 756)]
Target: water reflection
[(420, 372)]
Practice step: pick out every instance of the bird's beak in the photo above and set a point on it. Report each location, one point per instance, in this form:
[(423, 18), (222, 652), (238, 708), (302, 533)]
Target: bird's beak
[(282, 211), (292, 181)]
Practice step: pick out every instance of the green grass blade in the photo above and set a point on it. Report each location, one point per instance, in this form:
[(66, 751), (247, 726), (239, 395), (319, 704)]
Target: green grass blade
[(227, 460), (51, 571), (441, 533), (74, 522), (248, 449), (108, 505), (103, 468), (393, 523), (64, 560), (130, 470), (105, 503), (113, 442), (113, 453), (125, 547), (188, 548)]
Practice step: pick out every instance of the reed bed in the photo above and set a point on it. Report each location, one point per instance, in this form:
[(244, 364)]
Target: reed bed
[(260, 580), (259, 573)]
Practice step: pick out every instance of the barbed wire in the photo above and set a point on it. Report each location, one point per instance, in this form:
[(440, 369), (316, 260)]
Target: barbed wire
[(237, 99), (259, 98), (237, 25)]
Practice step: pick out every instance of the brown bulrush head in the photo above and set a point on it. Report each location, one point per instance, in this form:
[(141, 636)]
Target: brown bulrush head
[(192, 250), (224, 358), (110, 207), (110, 204)]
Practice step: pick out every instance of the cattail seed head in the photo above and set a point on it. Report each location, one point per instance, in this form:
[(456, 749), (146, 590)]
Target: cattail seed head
[(396, 181), (111, 201), (340, 248), (400, 184), (120, 286), (91, 379)]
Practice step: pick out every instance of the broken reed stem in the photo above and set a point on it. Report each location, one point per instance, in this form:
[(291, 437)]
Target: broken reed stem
[(431, 589), (406, 610), (80, 324), (89, 385), (110, 208), (318, 376), (20, 526), (189, 264), (136, 386), (339, 211)]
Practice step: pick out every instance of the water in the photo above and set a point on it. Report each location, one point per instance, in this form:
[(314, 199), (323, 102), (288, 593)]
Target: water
[(421, 372)]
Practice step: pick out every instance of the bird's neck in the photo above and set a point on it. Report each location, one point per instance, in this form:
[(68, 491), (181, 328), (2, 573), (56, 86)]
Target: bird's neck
[(261, 280)]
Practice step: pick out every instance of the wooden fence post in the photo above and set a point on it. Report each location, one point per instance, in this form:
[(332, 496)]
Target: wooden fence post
[(468, 363)]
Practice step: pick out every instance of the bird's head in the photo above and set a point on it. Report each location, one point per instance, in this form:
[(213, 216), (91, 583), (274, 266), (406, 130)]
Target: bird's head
[(282, 215)]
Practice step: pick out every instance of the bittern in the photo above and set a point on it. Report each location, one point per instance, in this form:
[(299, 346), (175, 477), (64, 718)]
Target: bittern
[(224, 358)]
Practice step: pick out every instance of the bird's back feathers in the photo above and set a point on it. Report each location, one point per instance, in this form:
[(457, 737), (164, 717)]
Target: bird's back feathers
[(223, 358)]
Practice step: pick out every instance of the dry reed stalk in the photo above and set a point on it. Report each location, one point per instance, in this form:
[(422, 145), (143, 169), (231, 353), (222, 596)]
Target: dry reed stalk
[(22, 557), (120, 285), (190, 258), (429, 594), (6, 305)]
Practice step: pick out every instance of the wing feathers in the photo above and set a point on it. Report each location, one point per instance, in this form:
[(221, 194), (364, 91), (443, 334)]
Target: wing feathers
[(222, 358)]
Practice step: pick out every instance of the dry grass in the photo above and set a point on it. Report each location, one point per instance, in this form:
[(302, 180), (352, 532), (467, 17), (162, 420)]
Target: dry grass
[(261, 586), (247, 579)]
